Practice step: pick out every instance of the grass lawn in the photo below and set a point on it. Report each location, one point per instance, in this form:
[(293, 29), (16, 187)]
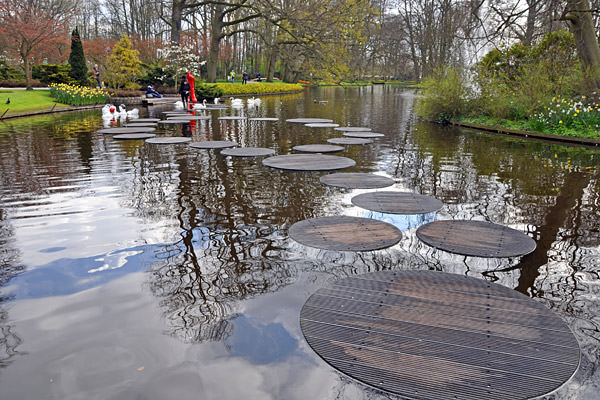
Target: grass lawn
[(24, 101)]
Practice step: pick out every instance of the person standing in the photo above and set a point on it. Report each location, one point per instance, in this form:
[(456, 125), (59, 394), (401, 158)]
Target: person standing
[(184, 91), (96, 73), (232, 76), (244, 78)]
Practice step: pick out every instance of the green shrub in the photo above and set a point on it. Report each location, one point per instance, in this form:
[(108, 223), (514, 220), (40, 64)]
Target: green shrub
[(208, 91), (10, 73), (445, 95), (52, 73)]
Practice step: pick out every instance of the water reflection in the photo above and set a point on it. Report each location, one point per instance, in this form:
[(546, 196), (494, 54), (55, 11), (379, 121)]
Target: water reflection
[(80, 213)]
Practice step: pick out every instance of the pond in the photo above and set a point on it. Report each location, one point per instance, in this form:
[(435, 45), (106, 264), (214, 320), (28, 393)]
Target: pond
[(136, 270)]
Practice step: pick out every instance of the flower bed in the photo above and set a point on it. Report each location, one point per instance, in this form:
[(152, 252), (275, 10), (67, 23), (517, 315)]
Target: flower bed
[(77, 95)]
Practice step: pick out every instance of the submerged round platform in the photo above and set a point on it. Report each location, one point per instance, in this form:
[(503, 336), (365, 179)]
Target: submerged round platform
[(344, 233), (248, 152), (318, 148), (356, 180), (349, 141), (432, 335), (138, 129), (169, 140), (352, 129), (134, 136), (309, 120), (363, 135), (476, 238), (309, 162), (213, 144), (397, 202)]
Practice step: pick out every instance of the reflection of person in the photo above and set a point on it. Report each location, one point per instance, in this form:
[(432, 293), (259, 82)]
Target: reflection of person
[(184, 91), (96, 73), (151, 92), (245, 77), (186, 130)]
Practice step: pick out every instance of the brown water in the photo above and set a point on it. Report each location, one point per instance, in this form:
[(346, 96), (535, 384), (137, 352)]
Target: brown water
[(138, 271)]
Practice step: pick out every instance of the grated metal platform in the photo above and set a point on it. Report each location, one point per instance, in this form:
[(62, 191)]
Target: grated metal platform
[(356, 180), (435, 336), (308, 162), (344, 233), (397, 202), (476, 238)]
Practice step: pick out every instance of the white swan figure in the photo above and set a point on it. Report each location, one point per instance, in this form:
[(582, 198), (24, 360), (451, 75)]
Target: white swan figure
[(133, 113), (179, 105), (216, 100), (252, 102), (122, 111), (200, 106), (109, 112), (236, 102)]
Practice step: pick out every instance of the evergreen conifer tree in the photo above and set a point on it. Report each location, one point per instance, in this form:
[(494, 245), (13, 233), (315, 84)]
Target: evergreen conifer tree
[(124, 65), (79, 71)]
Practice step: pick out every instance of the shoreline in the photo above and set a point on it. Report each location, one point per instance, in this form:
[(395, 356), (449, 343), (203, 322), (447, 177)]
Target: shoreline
[(527, 134)]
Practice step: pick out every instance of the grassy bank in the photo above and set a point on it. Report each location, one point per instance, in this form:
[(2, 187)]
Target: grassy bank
[(26, 101)]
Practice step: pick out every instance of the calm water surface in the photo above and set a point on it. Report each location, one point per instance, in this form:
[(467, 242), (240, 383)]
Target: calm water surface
[(139, 271)]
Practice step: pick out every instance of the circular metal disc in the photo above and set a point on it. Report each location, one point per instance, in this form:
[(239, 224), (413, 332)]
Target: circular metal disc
[(347, 140), (136, 120), (263, 119), (432, 335), (134, 136), (397, 202), (174, 121), (213, 144), (352, 129), (322, 125), (190, 117), (363, 135), (139, 129), (169, 140), (344, 233), (356, 180), (318, 148), (476, 238), (309, 120), (308, 162), (248, 152), (231, 118)]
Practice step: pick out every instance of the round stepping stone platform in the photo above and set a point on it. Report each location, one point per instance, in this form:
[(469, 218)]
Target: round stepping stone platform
[(263, 119), (190, 117), (322, 125), (217, 107), (344, 233), (308, 120), (356, 180), (169, 140), (139, 124), (348, 141), (174, 121), (432, 335), (248, 152), (136, 120), (139, 129), (318, 148), (308, 162), (397, 202), (231, 118), (353, 129), (134, 136), (476, 238), (213, 144), (363, 135)]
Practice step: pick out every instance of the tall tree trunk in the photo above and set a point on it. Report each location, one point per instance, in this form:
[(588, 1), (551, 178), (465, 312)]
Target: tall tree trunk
[(216, 24), (176, 16), (579, 16), (271, 63)]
